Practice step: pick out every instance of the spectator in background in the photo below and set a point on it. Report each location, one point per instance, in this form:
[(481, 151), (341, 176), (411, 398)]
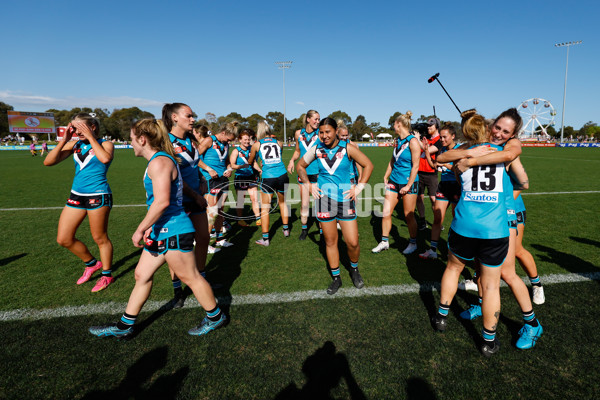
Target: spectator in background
[(427, 175)]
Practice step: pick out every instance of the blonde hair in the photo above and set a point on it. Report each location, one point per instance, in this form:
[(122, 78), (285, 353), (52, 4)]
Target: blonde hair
[(474, 127), (309, 114), (263, 130), (404, 119), (230, 128), (156, 133), (90, 120)]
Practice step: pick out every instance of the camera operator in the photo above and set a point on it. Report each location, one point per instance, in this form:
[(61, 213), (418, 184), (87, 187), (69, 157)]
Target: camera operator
[(427, 175)]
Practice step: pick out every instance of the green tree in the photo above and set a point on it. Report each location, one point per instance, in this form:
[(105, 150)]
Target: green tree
[(552, 132), (339, 114), (4, 118), (118, 124), (233, 116), (594, 131), (359, 127), (275, 119), (253, 120), (393, 119), (586, 128)]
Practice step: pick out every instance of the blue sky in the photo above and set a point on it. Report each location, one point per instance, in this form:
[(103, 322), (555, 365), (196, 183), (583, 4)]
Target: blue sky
[(371, 58)]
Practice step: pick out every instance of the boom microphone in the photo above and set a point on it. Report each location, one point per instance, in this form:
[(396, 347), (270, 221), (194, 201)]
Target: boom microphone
[(435, 78)]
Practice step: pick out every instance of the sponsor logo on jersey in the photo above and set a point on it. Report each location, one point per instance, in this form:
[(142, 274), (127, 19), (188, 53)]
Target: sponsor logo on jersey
[(323, 215), (481, 197), (164, 230), (511, 212)]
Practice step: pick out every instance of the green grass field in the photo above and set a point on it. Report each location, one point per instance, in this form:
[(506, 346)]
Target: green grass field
[(286, 337)]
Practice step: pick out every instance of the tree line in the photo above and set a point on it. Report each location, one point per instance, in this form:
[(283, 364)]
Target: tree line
[(117, 124)]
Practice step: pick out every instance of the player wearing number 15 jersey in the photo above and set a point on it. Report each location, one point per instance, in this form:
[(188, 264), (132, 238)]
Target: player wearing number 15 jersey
[(274, 178)]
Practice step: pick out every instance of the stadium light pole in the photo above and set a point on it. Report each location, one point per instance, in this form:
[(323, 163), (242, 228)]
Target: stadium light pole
[(567, 44), (283, 65)]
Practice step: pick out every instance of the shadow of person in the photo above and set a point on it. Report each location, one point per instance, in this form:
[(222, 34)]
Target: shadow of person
[(324, 371), (419, 389), (567, 261), (123, 260), (8, 260), (164, 387), (585, 241)]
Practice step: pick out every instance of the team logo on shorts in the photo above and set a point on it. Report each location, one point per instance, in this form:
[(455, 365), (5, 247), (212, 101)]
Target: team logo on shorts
[(351, 211), (215, 190), (323, 215), (74, 202), (148, 241), (94, 201), (390, 186)]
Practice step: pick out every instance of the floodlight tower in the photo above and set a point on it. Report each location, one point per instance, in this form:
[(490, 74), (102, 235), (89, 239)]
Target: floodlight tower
[(567, 44), (283, 65)]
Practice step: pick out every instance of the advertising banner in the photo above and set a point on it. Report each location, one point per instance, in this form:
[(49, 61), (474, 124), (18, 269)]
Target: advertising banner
[(30, 122)]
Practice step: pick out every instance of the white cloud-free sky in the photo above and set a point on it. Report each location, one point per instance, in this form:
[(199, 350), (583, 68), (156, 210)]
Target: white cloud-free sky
[(371, 58)]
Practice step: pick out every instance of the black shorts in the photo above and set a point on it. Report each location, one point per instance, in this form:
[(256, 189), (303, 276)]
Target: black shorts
[(521, 217), (244, 182), (395, 187), (191, 208), (218, 185), (272, 185), (90, 202), (489, 252), (429, 181), (448, 191), (203, 189), (329, 210), (311, 178), (183, 242)]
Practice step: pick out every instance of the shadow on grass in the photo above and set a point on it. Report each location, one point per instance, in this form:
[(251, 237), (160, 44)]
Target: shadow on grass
[(324, 371), (225, 266), (419, 389), (8, 260), (567, 261), (123, 260), (139, 374), (585, 241)]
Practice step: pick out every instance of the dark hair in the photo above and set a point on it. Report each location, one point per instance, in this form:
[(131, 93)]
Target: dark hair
[(449, 127), (90, 120), (513, 114), (168, 110), (329, 121), (202, 130)]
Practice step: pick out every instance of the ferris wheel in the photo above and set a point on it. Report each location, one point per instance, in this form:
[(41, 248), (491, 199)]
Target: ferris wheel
[(538, 114)]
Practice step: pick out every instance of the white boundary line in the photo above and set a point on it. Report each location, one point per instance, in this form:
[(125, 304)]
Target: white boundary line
[(271, 298), (231, 202)]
